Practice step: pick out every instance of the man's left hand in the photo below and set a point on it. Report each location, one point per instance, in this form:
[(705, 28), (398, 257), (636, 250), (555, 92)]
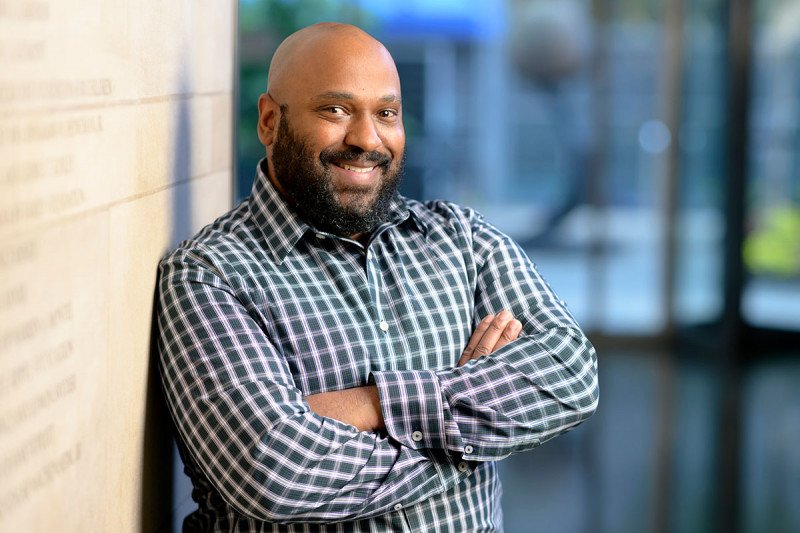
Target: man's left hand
[(493, 332)]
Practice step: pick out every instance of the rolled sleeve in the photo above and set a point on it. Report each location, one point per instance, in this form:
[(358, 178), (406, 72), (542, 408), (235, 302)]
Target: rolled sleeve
[(413, 407)]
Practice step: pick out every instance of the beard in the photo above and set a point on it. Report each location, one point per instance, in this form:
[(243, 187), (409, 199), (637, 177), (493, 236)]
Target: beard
[(308, 183)]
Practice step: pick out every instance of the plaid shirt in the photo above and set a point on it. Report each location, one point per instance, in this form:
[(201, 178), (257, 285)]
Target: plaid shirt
[(260, 309)]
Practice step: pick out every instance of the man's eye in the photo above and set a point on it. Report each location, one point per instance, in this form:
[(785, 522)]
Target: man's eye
[(387, 113), (335, 110)]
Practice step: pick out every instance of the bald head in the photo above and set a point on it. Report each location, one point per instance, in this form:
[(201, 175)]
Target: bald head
[(322, 49)]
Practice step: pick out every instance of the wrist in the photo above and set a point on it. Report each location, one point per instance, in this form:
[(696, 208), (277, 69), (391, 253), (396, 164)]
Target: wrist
[(372, 410)]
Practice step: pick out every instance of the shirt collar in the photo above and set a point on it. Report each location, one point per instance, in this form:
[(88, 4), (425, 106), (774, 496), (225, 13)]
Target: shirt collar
[(282, 227)]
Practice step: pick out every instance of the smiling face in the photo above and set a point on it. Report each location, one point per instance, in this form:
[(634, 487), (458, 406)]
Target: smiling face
[(332, 125)]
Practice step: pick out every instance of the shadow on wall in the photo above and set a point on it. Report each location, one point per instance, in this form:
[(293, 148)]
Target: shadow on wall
[(165, 490), (158, 462)]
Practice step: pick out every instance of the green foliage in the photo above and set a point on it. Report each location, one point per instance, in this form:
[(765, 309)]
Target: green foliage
[(775, 249)]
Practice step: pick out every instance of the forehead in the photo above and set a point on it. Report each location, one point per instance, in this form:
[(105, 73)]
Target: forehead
[(352, 66)]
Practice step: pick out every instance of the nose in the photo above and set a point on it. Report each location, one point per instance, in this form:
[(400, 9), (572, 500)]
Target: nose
[(362, 133)]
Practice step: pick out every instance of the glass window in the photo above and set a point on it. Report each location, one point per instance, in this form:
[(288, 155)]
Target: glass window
[(771, 296)]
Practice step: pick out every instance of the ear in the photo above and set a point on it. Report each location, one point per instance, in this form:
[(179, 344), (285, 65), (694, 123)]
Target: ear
[(268, 117)]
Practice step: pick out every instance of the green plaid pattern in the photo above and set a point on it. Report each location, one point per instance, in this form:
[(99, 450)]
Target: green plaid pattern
[(260, 309)]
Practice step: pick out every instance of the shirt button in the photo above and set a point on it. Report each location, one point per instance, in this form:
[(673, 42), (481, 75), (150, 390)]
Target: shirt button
[(463, 466), (384, 325), (398, 506), (416, 436), (467, 449)]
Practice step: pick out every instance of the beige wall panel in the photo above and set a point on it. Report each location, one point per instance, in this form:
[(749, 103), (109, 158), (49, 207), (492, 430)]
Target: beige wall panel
[(64, 163), (53, 374), (222, 111), (67, 53), (115, 141)]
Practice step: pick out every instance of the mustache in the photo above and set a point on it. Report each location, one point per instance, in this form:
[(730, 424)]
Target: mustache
[(354, 155)]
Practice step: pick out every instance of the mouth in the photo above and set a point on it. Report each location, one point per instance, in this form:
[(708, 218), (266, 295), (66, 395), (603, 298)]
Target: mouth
[(356, 175), (354, 168), (355, 172)]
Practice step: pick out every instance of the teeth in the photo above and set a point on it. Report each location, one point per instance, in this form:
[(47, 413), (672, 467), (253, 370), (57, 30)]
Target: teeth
[(356, 169)]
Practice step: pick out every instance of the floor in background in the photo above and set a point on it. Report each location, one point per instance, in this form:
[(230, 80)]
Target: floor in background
[(647, 456)]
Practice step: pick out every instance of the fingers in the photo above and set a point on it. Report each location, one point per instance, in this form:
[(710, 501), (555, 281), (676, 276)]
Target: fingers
[(510, 333), (492, 333), (477, 335)]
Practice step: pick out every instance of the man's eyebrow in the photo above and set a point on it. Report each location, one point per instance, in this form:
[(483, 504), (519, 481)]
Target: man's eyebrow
[(338, 95), (334, 95)]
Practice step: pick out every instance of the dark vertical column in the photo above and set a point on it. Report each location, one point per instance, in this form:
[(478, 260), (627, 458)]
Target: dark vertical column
[(729, 359), (672, 111), (601, 127)]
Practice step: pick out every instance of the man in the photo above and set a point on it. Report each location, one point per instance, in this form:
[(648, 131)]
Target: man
[(323, 346)]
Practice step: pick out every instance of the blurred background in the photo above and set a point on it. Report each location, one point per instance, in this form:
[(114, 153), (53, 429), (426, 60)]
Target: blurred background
[(647, 156)]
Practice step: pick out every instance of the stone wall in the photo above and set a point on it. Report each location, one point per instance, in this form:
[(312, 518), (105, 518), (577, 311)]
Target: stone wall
[(115, 143)]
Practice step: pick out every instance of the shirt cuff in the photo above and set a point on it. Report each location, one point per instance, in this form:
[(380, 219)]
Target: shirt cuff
[(412, 406)]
